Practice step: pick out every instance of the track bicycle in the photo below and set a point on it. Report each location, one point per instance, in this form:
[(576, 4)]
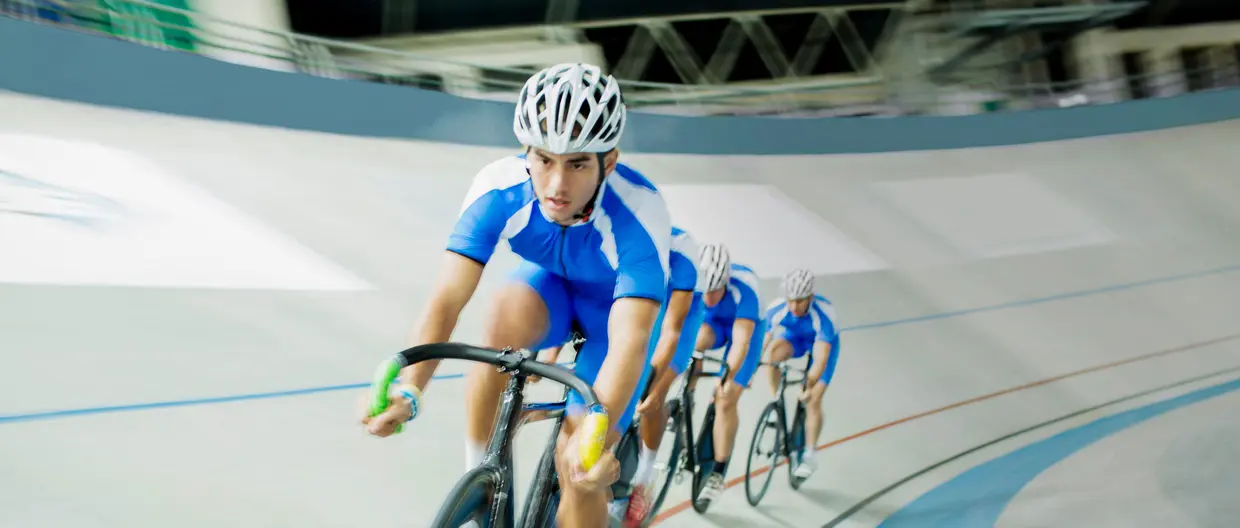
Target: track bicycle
[(695, 456), (788, 442), (627, 451), (484, 494)]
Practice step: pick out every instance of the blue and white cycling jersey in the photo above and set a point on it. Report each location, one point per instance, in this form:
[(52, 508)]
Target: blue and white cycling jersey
[(739, 302), (621, 250), (684, 278), (818, 324), (683, 261)]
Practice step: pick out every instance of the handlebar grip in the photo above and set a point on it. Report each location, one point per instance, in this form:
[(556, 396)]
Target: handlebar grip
[(384, 376), (594, 427)]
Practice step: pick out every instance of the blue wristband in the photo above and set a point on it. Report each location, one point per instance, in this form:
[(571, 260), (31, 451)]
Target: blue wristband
[(414, 403)]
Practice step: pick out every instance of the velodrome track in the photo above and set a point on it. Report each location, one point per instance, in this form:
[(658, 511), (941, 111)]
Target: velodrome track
[(1034, 335)]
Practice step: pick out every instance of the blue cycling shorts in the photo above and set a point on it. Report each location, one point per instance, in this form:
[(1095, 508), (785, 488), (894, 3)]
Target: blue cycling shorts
[(564, 307), (722, 328), (828, 372), (801, 344)]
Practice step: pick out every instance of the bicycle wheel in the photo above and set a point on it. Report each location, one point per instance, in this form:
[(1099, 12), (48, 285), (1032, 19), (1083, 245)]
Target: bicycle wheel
[(673, 464), (471, 499), (796, 446), (769, 426), (705, 444)]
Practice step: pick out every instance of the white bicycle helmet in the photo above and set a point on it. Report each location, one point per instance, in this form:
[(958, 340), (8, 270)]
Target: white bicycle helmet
[(799, 284), (570, 108), (716, 266)]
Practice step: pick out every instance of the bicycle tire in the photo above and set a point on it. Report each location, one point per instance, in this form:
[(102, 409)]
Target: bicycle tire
[(705, 453), (769, 414), (797, 441), (673, 460), (472, 498)]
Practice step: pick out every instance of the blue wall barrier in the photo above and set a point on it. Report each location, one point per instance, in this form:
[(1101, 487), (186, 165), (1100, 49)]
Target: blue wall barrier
[(66, 64)]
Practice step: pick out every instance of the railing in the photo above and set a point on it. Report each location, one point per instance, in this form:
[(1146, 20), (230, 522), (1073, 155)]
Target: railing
[(178, 29)]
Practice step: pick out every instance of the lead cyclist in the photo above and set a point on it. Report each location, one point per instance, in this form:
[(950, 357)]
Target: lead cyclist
[(593, 235)]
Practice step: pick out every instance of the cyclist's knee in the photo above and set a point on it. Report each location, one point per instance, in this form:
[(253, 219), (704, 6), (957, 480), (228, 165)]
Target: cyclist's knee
[(705, 338), (815, 396), (731, 395), (518, 318), (780, 350)]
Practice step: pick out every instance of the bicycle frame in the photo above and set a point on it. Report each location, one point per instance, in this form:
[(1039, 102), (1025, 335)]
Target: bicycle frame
[(781, 409), (685, 411), (485, 493), (496, 466)]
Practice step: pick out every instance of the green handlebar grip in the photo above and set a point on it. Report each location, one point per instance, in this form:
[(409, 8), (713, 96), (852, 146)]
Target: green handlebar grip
[(384, 376)]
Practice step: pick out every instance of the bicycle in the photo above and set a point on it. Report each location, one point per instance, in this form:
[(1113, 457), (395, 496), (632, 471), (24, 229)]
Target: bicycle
[(774, 417), (483, 495), (680, 425), (626, 451)]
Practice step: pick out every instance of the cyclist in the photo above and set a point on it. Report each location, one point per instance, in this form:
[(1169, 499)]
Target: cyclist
[(593, 235), (800, 322), (733, 319), (672, 345)]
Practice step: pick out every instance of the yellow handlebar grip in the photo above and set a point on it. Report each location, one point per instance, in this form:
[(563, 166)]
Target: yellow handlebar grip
[(590, 448)]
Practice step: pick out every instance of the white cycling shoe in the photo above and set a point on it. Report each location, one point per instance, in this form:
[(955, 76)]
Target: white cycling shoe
[(711, 488), (806, 467)]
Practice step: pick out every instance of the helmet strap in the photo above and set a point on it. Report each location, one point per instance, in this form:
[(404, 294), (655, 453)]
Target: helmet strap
[(602, 176)]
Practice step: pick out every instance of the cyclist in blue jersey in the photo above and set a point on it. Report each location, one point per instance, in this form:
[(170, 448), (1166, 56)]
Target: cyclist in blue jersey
[(733, 319), (593, 235), (672, 344), (800, 322)]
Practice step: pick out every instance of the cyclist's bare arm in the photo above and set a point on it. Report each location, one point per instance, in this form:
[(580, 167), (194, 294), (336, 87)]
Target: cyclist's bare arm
[(457, 281), (628, 331), (742, 333), (673, 324)]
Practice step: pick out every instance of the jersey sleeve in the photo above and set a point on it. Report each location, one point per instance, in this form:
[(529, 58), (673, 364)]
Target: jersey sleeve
[(768, 317), (746, 282), (824, 312), (643, 238), (495, 196), (683, 263)]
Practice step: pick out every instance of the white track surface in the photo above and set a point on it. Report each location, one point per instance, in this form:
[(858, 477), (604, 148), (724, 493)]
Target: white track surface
[(966, 329)]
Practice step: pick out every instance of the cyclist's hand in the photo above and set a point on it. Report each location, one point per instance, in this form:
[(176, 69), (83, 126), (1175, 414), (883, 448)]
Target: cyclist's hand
[(804, 396), (384, 424), (645, 404), (654, 399), (604, 473)]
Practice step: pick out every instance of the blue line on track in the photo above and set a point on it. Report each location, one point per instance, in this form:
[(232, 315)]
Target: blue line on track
[(910, 320), (977, 497)]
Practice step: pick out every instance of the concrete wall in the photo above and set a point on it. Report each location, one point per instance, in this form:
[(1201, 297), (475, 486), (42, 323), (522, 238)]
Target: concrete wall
[(186, 304), (67, 65)]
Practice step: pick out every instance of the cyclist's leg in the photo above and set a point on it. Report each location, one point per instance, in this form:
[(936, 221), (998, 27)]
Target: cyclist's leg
[(710, 335), (654, 417), (813, 405), (531, 311), (779, 349), (592, 315), (727, 421)]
